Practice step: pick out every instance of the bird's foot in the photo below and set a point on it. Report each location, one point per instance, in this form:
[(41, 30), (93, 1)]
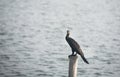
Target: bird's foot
[(72, 55)]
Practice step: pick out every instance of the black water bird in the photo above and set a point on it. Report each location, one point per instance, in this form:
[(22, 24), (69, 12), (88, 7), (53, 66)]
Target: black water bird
[(75, 47)]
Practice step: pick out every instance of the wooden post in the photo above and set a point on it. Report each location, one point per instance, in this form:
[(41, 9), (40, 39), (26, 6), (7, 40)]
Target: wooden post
[(73, 61)]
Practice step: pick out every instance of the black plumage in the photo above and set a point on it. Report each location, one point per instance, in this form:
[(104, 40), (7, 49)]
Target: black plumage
[(75, 47)]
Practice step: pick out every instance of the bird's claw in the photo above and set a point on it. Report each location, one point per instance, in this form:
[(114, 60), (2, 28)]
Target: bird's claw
[(72, 55)]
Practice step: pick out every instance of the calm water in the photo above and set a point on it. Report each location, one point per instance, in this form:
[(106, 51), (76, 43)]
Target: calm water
[(32, 35)]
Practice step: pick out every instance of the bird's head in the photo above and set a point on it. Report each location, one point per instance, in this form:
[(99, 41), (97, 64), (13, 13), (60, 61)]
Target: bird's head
[(68, 32)]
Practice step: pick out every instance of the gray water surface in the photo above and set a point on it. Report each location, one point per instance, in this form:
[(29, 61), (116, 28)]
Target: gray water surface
[(32, 37)]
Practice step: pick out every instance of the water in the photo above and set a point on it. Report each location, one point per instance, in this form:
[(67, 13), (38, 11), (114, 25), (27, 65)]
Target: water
[(32, 36)]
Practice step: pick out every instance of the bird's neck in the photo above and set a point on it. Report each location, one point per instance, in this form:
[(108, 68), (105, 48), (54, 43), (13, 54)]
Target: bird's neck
[(67, 36)]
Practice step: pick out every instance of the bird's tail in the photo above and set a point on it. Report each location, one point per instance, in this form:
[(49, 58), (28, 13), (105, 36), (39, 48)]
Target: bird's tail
[(85, 60)]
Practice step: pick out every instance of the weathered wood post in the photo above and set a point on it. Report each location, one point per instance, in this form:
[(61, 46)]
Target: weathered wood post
[(73, 61)]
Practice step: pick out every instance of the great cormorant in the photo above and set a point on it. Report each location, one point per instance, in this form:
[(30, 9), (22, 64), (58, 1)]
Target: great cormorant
[(75, 47)]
